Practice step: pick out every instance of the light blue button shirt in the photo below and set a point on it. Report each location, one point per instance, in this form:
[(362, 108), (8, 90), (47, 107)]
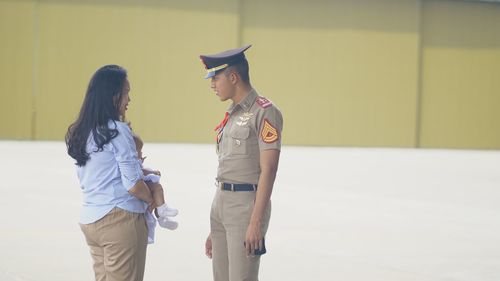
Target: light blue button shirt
[(109, 174)]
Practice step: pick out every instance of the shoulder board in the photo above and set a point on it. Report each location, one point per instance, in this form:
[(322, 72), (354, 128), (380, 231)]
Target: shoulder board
[(263, 102)]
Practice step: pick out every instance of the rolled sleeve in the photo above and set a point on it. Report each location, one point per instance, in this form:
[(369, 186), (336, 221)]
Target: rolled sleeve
[(126, 156)]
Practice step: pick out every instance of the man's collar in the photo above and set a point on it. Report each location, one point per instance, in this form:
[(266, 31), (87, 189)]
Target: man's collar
[(246, 103), (249, 100)]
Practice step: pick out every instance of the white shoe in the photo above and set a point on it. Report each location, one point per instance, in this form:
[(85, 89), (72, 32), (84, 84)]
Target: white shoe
[(165, 222), (166, 211)]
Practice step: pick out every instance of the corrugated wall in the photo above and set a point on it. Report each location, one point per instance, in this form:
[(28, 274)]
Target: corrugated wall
[(344, 73), (461, 75)]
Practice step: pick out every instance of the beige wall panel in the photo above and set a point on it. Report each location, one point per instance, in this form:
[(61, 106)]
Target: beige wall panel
[(157, 41), (461, 70), (343, 72), (17, 35)]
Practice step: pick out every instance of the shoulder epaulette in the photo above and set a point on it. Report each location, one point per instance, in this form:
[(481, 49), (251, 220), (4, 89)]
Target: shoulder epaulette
[(263, 102)]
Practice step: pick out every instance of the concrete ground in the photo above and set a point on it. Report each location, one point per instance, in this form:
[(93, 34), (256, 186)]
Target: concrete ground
[(346, 214)]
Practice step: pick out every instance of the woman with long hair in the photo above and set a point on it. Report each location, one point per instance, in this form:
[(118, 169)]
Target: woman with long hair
[(115, 198)]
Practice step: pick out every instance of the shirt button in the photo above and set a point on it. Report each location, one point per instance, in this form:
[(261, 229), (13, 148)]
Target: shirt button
[(238, 142)]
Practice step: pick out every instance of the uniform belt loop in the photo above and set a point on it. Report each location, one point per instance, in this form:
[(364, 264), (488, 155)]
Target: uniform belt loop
[(232, 187), (254, 187)]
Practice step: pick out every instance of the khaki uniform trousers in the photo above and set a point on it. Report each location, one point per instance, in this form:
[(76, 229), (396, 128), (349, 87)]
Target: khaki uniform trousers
[(229, 219), (118, 244)]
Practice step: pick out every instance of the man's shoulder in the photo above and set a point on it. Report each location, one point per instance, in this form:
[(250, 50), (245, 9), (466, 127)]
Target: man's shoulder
[(265, 104)]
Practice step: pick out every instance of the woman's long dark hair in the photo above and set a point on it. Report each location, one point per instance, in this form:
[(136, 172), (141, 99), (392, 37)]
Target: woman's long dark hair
[(100, 105)]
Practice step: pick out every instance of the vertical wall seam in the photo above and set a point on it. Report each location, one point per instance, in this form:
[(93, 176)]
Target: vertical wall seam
[(34, 89), (420, 58)]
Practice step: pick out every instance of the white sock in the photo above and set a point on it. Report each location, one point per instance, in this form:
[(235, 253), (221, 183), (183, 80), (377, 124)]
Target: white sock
[(165, 222), (166, 211)]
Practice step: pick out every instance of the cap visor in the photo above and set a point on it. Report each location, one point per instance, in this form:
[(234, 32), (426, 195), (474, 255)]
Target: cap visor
[(210, 75)]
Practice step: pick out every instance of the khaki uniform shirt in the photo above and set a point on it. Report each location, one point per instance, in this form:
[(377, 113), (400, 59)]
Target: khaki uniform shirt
[(254, 124)]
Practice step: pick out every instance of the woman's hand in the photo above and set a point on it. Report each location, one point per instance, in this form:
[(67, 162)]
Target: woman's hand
[(142, 192), (151, 207)]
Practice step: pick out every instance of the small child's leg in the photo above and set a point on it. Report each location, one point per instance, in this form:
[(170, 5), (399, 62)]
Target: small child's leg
[(166, 211), (157, 192), (162, 209)]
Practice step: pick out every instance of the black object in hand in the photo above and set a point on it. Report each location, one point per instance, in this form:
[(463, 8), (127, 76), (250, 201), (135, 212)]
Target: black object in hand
[(259, 252)]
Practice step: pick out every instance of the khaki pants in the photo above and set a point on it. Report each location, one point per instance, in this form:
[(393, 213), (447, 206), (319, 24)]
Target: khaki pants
[(229, 219), (118, 245)]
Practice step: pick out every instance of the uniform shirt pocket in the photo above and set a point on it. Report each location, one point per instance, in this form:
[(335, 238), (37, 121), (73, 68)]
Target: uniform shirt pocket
[(239, 138)]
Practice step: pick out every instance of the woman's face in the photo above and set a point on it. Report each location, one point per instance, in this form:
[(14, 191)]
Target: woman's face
[(125, 98)]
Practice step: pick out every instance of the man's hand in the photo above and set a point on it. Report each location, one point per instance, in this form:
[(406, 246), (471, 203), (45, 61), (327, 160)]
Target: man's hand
[(269, 166), (253, 238), (208, 247)]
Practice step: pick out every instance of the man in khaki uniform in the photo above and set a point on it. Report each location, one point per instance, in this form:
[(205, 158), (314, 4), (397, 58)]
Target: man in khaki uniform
[(248, 148)]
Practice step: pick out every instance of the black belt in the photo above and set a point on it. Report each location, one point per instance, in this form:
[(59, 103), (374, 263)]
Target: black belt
[(238, 186)]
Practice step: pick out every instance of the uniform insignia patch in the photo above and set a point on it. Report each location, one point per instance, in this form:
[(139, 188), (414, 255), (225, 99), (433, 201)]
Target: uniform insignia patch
[(263, 102), (269, 134), (244, 118), (246, 115)]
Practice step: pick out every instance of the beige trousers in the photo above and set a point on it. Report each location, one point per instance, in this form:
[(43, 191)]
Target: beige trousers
[(229, 219), (118, 244)]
